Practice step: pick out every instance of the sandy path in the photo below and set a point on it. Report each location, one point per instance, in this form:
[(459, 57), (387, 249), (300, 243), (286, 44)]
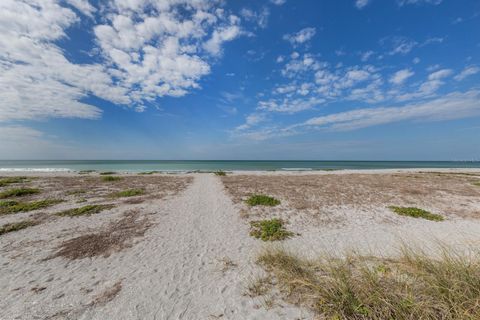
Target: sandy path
[(180, 275)]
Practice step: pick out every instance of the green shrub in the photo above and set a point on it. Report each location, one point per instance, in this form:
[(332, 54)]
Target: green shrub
[(11, 227), (220, 173), (18, 192), (106, 173), (269, 230), (128, 193), (262, 200), (85, 171), (148, 172), (85, 210), (111, 178), (10, 180), (416, 213), (7, 207)]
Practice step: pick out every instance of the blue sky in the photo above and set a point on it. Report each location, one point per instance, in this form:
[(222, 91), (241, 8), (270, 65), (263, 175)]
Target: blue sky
[(273, 79)]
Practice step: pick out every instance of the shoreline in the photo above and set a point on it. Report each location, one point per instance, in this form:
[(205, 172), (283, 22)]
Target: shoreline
[(48, 172)]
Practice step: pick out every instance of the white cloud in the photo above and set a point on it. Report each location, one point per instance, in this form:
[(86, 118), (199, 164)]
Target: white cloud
[(251, 120), (360, 4), (278, 2), (260, 18), (401, 76), (404, 2), (146, 50), (440, 74), (467, 72), (455, 105), (300, 37), (366, 55)]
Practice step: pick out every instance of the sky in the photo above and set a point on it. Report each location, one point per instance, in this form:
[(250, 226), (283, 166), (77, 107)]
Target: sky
[(259, 80)]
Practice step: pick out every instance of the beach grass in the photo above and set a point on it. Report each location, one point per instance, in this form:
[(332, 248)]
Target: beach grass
[(86, 171), (106, 173), (411, 286), (416, 213), (128, 193), (111, 178), (10, 180), (15, 226), (8, 207), (269, 230), (18, 192), (220, 173), (262, 200), (149, 172), (477, 183), (85, 210)]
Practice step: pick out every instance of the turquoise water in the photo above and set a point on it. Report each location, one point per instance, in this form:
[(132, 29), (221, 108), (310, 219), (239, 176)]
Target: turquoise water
[(207, 165)]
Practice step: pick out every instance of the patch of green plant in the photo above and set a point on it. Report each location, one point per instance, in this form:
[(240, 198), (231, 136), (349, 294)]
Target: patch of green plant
[(111, 178), (18, 192), (477, 183), (11, 227), (85, 210), (416, 213), (128, 193), (220, 173), (262, 200), (8, 207), (106, 173), (77, 191), (10, 180), (269, 230), (86, 171), (148, 172)]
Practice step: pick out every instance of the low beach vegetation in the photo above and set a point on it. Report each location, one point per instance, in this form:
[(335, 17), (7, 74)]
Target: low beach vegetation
[(111, 178), (85, 210), (128, 193), (15, 226), (10, 180), (8, 207), (106, 173), (220, 173), (262, 200), (413, 285), (18, 192), (416, 213), (269, 230)]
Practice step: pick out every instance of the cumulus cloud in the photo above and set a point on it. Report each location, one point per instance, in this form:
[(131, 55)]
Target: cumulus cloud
[(145, 50), (301, 36), (467, 72), (360, 4), (401, 76), (278, 2)]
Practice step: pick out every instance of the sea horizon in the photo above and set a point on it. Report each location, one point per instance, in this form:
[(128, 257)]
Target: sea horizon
[(227, 165)]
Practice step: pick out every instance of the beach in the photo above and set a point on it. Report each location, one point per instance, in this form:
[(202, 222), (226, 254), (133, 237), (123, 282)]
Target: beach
[(179, 246)]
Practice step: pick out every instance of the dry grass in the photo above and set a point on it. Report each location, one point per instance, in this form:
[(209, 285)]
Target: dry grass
[(85, 210), (316, 194), (412, 286), (11, 227), (114, 238), (128, 193), (108, 295)]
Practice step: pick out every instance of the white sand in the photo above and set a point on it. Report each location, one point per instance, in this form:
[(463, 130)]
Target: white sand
[(175, 270)]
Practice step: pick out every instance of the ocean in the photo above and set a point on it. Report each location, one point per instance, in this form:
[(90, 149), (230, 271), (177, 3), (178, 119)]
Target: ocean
[(212, 165)]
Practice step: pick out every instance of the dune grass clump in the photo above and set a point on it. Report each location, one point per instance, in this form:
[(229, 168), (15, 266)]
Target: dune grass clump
[(10, 180), (220, 173), (416, 213), (86, 171), (149, 172), (477, 183), (106, 173), (85, 210), (8, 207), (262, 200), (111, 178), (18, 192), (412, 286), (15, 226), (128, 193), (269, 230)]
